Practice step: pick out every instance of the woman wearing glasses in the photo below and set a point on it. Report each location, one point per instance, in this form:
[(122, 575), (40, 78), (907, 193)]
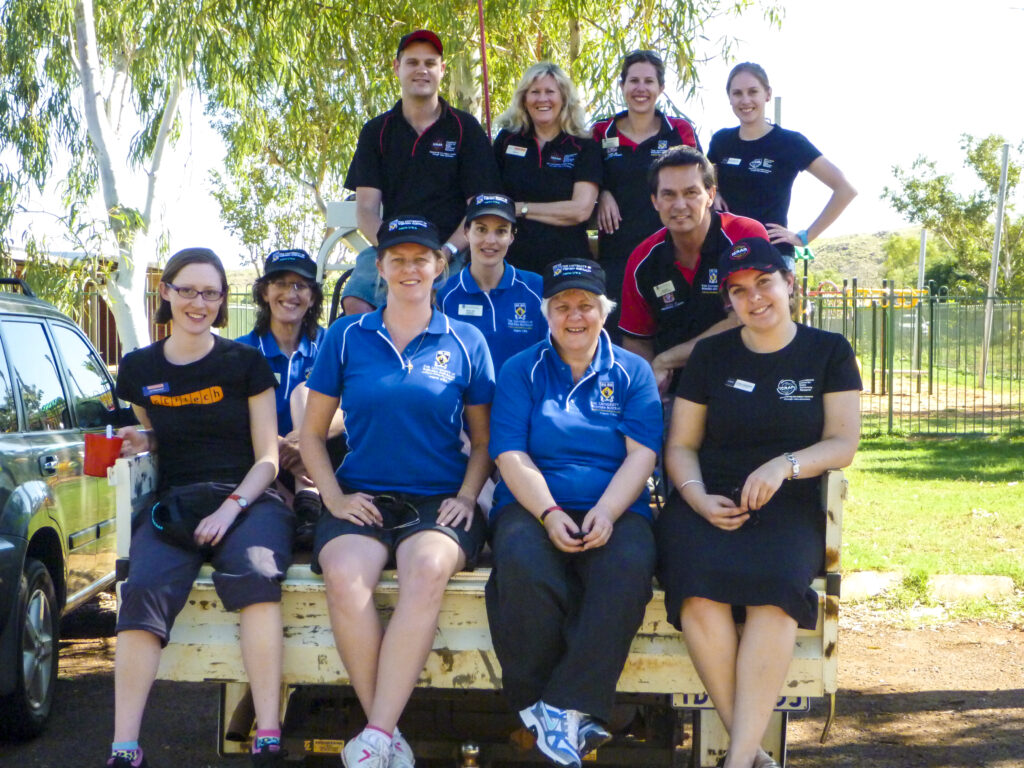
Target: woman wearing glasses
[(407, 377), (630, 141), (206, 406), (287, 332)]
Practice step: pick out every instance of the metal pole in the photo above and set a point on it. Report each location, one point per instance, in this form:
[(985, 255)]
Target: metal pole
[(993, 274), (888, 330), (916, 357)]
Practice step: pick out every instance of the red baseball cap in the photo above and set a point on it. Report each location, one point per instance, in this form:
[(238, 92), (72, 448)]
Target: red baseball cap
[(420, 35)]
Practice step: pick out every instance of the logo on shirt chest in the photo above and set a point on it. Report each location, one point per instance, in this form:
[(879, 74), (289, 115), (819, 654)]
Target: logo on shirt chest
[(660, 149), (562, 160), (711, 286), (761, 165), (800, 390), (606, 402), (438, 370), (519, 321), (443, 148)]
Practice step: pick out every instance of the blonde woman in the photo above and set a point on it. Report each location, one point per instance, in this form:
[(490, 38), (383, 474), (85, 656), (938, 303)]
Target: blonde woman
[(550, 166)]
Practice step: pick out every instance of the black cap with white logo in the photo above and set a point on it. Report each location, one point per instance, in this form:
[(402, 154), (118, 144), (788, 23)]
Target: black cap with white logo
[(566, 274)]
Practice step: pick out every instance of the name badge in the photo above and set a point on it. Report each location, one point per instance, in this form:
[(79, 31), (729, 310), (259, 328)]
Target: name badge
[(666, 287), (732, 161), (612, 142), (515, 151), (156, 389), (474, 310), (745, 386)]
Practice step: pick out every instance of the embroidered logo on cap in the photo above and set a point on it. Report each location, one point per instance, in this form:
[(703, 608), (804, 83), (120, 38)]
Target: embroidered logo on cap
[(739, 251)]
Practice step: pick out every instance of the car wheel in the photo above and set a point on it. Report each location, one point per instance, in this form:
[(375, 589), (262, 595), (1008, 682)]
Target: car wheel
[(26, 709)]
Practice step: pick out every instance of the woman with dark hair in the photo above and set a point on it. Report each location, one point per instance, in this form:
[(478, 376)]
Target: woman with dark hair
[(409, 378), (761, 412), (287, 332), (206, 406), (758, 162), (630, 141), (550, 166)]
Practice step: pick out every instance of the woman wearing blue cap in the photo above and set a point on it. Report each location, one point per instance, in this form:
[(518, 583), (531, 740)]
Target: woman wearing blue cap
[(287, 332), (499, 299), (407, 378), (576, 430), (761, 412)]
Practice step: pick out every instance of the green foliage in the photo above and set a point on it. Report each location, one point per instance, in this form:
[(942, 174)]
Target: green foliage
[(902, 253), (965, 221)]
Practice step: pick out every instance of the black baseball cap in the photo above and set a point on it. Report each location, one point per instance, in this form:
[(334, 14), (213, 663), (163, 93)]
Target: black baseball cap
[(749, 253), (290, 260), (407, 229), (493, 204), (583, 274), (420, 35)]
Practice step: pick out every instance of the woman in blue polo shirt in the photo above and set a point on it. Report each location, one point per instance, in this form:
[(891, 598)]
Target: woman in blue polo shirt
[(500, 300), (407, 377), (287, 332), (550, 166), (630, 141), (576, 430)]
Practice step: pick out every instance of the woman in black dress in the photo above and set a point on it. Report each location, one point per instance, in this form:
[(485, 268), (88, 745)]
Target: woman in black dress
[(761, 412)]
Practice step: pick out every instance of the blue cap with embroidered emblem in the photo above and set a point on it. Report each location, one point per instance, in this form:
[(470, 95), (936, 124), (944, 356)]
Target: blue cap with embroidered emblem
[(749, 253), (407, 229), (290, 260), (582, 274)]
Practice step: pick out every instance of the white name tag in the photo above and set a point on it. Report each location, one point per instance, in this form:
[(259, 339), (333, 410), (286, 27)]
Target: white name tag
[(661, 290), (732, 161), (476, 310), (515, 151), (612, 142), (746, 386)]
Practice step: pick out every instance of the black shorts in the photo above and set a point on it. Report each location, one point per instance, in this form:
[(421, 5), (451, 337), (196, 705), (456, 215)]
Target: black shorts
[(470, 542)]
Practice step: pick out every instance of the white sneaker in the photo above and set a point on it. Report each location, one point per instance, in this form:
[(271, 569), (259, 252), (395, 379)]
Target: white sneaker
[(556, 731), (401, 752), (368, 749)]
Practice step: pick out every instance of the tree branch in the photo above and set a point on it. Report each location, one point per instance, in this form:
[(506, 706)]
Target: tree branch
[(166, 123)]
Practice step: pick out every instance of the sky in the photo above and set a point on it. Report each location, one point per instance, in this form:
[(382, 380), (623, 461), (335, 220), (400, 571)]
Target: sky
[(872, 84)]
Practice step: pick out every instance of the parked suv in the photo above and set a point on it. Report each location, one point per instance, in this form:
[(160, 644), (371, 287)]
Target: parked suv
[(57, 531)]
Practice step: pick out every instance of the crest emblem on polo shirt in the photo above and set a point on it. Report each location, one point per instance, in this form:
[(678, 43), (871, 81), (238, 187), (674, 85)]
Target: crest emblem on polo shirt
[(607, 392), (520, 309), (441, 357), (713, 276)]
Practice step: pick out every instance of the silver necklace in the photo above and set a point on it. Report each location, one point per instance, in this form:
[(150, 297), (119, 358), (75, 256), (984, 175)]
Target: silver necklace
[(407, 361)]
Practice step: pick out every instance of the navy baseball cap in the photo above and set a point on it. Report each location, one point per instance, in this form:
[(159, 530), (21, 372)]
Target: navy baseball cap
[(565, 274), (290, 260), (407, 229), (749, 253), (495, 204), (419, 36)]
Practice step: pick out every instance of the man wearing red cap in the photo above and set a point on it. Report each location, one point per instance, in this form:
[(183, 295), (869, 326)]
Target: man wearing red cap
[(421, 157)]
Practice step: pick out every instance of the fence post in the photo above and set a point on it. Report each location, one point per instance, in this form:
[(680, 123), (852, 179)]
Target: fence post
[(856, 324), (932, 296), (890, 331)]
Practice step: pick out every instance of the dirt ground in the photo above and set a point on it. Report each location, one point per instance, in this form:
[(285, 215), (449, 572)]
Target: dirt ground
[(948, 696)]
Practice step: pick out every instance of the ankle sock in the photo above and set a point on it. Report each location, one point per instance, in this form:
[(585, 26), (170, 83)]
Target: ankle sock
[(270, 737), (127, 749), (381, 731)]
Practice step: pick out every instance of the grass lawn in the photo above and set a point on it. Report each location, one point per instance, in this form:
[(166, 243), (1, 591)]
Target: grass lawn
[(936, 505)]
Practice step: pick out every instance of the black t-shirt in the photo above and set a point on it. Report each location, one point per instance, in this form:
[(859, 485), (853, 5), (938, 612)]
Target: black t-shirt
[(625, 176), (762, 405), (199, 411), (430, 174), (531, 175), (756, 177)]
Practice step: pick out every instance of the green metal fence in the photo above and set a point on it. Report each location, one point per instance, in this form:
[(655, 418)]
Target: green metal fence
[(922, 359)]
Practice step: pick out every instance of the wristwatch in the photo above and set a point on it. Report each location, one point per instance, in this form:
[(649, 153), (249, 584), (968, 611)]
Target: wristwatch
[(451, 249), (243, 502), (796, 465), (526, 210)]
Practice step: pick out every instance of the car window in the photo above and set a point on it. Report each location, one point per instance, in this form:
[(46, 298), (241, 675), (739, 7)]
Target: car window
[(8, 410), (36, 377), (88, 386)]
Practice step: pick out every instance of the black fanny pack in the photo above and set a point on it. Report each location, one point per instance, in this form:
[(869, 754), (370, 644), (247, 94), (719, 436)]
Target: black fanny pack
[(180, 510)]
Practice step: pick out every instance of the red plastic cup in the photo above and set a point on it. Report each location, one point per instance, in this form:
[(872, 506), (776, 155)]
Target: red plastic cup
[(100, 453)]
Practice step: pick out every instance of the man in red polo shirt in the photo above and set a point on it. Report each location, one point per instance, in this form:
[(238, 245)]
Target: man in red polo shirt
[(670, 296)]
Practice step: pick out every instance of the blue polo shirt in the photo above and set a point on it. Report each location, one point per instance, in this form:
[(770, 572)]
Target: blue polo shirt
[(508, 315), (403, 411), (290, 371), (575, 433)]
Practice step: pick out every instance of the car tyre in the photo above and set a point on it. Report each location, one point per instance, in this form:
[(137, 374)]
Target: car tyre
[(26, 709)]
